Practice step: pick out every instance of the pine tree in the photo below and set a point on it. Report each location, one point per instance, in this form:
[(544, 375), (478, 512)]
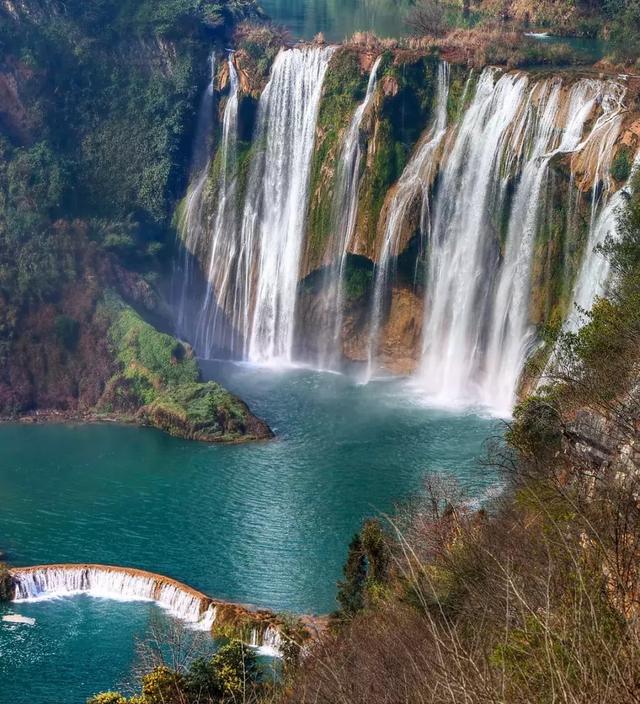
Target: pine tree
[(351, 588)]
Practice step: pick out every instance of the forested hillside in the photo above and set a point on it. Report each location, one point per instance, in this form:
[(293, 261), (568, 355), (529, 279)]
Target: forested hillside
[(98, 106)]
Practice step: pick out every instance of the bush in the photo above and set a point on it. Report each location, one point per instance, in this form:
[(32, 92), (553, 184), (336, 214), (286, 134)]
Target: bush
[(67, 331), (6, 584), (621, 164), (107, 698)]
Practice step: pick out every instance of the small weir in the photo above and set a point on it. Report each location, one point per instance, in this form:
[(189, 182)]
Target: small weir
[(194, 608)]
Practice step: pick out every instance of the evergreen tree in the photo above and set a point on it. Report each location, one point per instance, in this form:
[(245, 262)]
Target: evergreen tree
[(351, 588)]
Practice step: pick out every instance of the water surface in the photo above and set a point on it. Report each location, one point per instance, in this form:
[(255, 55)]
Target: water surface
[(265, 523), (339, 19)]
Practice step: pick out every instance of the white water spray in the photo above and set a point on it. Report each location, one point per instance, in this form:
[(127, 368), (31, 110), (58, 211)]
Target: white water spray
[(274, 217), (344, 219), (477, 332), (122, 585)]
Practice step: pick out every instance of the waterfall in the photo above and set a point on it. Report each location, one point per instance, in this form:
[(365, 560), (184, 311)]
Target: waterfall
[(414, 182), (476, 332), (212, 329), (273, 223), (594, 272), (112, 583), (344, 218), (198, 611), (510, 335), (192, 223), (269, 643)]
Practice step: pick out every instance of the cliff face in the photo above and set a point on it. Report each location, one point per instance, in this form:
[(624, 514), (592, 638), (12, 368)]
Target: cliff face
[(97, 114), (411, 118)]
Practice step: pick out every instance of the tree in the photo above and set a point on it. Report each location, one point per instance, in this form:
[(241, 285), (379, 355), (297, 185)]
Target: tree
[(236, 669), (428, 17), (375, 549), (351, 588)]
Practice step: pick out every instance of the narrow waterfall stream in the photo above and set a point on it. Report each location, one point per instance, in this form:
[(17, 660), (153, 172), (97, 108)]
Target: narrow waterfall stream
[(344, 218), (222, 277), (193, 223), (415, 181)]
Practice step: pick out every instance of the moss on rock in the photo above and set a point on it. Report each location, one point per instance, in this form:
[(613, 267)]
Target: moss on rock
[(158, 383), (403, 110), (344, 87)]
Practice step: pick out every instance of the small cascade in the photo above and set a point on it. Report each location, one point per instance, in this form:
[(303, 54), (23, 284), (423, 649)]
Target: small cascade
[(510, 335), (112, 583), (594, 274), (192, 223), (416, 181), (267, 643), (477, 334), (344, 218), (273, 223), (212, 331)]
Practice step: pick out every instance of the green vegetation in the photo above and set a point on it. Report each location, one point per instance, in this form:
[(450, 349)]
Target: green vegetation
[(343, 89), (231, 675), (256, 48), (357, 282), (6, 583), (402, 115), (536, 594), (95, 142), (158, 382), (621, 164)]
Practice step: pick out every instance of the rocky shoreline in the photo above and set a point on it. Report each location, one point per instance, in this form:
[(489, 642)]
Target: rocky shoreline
[(260, 429)]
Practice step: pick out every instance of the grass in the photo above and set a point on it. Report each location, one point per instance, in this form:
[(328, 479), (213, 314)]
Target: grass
[(158, 381)]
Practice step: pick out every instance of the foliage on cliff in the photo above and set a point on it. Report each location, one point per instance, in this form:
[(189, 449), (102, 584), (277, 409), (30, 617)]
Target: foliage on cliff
[(231, 674), (344, 87), (158, 381)]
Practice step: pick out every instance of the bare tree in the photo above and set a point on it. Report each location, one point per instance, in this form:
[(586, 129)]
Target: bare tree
[(428, 17)]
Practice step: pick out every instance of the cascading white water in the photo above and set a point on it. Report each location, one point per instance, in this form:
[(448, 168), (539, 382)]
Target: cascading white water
[(55, 582), (192, 221), (481, 222), (476, 331), (510, 335), (415, 181), (272, 231), (344, 218), (269, 643), (121, 584), (462, 255), (594, 272), (220, 301)]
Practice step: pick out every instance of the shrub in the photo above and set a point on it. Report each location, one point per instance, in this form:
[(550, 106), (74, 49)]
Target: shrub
[(107, 698), (67, 331), (6, 584), (621, 165)]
